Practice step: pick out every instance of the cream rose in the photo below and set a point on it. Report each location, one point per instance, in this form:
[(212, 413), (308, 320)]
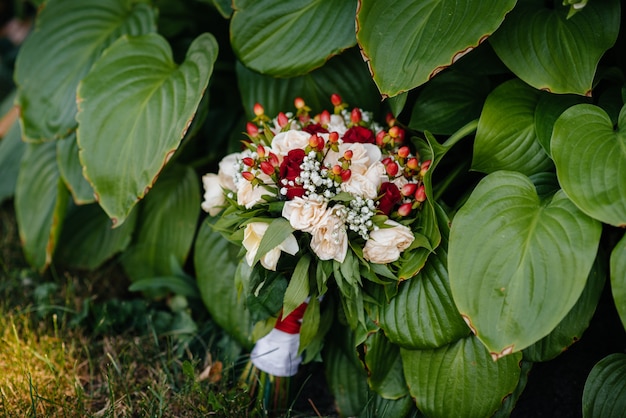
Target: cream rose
[(304, 214), (367, 184), (329, 239), (363, 156), (228, 170), (288, 140), (213, 194), (252, 236), (385, 244), (337, 124)]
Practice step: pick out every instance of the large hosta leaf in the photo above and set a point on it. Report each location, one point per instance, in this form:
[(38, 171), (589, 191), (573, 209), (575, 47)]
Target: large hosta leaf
[(551, 52), (87, 239), (407, 42), (518, 264), (590, 158), (167, 224), (216, 263), (345, 75), (135, 106), (40, 203), (549, 108), (440, 379), (618, 278), (289, 38), (604, 395), (11, 150), (506, 138), (384, 367), (571, 328), (68, 38), (72, 172), (423, 314)]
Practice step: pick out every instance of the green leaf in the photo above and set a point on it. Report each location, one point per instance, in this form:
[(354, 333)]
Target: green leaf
[(175, 284), (135, 106), (298, 288), (423, 314), (72, 172), (167, 223), (439, 379), (11, 151), (68, 38), (506, 138), (618, 278), (551, 52), (310, 324), (292, 38), (590, 158), (517, 265), (604, 395), (433, 34), (549, 108), (345, 75), (224, 301), (40, 203), (87, 239), (278, 231), (448, 102), (384, 367), (571, 328)]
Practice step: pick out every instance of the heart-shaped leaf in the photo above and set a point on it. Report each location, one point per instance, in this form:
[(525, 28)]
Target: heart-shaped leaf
[(506, 137), (571, 328), (618, 278), (345, 75), (590, 159), (167, 224), (135, 106), (448, 102), (438, 379), (68, 38), (407, 42), (423, 314), (87, 239), (289, 38), (72, 172), (549, 108), (552, 52), (604, 395), (518, 264), (40, 202), (384, 367), (218, 286)]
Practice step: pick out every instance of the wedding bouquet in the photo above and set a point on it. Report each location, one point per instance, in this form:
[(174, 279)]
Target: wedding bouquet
[(315, 197)]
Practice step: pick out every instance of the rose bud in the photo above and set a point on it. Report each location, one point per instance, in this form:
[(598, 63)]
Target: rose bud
[(260, 150), (404, 152), (405, 209), (267, 168), (282, 119), (247, 175), (424, 168), (252, 129), (299, 103), (392, 169), (273, 159), (355, 115), (335, 99), (248, 161), (324, 117), (258, 109), (408, 189), (345, 175), (420, 194), (413, 164), (348, 154)]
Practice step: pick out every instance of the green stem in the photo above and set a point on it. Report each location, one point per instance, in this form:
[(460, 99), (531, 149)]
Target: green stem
[(461, 133)]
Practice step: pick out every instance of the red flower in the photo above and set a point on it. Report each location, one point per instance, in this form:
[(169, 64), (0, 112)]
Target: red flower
[(290, 170), (359, 134), (315, 128), (390, 196)]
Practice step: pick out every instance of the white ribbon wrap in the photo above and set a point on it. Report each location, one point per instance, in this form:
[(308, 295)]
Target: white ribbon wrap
[(277, 353)]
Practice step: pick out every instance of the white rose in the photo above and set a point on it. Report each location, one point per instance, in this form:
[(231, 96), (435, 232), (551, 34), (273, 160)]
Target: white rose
[(213, 194), (329, 237), (288, 140), (337, 124), (385, 244), (249, 195), (304, 214), (367, 184), (252, 236), (228, 170), (363, 156)]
